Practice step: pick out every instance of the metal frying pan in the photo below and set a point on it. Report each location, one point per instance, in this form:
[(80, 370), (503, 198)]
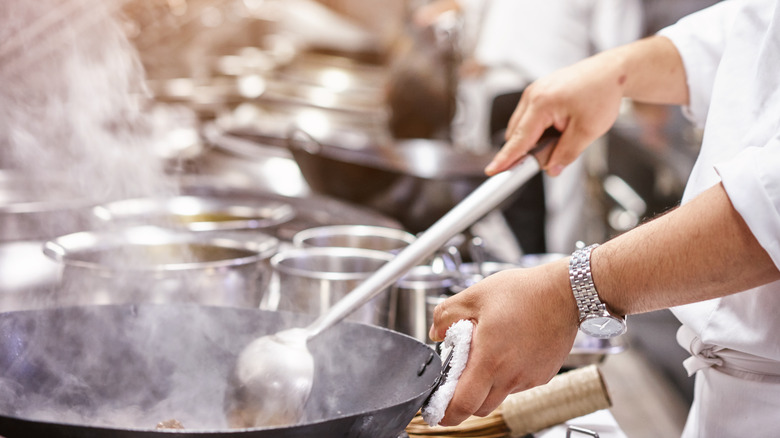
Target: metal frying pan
[(118, 371)]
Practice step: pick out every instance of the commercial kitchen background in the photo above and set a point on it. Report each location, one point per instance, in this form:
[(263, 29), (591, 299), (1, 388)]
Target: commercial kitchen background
[(230, 79)]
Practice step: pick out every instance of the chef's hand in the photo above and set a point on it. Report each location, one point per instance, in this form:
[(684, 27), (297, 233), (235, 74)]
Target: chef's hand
[(581, 101), (525, 322)]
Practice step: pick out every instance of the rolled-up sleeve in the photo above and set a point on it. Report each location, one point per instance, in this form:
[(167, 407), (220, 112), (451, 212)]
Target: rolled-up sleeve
[(701, 38), (752, 182)]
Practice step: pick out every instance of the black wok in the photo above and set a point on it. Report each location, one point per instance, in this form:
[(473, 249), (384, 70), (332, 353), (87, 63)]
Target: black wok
[(118, 371)]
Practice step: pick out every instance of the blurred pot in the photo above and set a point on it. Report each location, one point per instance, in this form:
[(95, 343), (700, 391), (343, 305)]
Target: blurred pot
[(197, 213), (471, 273), (354, 236), (27, 277), (531, 260), (151, 264), (415, 181), (312, 279), (33, 209)]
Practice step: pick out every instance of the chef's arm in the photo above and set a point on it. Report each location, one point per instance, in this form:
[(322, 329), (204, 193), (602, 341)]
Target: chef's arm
[(699, 251), (582, 101), (526, 319)]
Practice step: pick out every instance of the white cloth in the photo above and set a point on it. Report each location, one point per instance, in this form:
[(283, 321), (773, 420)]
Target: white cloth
[(458, 341), (731, 52)]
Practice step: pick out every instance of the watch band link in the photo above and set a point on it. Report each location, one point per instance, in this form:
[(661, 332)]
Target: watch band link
[(582, 285)]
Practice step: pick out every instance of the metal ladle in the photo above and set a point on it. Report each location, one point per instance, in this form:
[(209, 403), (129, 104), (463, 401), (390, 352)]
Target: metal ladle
[(273, 375)]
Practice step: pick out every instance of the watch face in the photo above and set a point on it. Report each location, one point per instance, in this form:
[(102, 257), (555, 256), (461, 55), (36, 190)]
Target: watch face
[(603, 326)]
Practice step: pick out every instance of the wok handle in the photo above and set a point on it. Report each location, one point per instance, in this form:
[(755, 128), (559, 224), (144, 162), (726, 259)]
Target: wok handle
[(481, 201), (566, 396)]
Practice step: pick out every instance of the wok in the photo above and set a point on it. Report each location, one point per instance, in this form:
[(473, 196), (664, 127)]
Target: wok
[(414, 181), (117, 371)]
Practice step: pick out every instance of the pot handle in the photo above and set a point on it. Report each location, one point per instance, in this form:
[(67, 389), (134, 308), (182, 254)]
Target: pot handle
[(300, 139)]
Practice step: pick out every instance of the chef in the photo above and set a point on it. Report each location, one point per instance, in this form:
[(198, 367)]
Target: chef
[(714, 260)]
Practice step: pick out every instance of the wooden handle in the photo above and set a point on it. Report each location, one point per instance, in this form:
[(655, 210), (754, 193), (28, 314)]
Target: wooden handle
[(566, 396)]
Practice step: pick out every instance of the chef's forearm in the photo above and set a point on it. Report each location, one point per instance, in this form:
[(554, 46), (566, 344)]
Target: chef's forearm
[(650, 70), (699, 251)]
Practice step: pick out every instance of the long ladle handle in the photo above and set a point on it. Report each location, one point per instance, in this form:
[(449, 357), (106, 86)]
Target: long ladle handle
[(481, 201)]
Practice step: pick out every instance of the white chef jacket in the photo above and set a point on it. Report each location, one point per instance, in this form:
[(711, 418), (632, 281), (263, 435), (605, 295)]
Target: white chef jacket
[(731, 53)]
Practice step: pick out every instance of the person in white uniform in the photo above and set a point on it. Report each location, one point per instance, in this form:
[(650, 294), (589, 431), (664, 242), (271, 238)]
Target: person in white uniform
[(714, 259), (508, 44)]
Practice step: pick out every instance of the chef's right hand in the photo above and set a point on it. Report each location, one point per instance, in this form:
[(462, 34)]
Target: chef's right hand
[(581, 101), (525, 322)]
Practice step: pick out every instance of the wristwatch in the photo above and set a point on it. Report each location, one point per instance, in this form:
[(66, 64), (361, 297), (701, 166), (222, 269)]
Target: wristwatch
[(595, 319)]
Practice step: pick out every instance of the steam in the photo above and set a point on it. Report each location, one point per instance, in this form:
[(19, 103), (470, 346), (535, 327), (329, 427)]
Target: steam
[(73, 115), (72, 104), (75, 125)]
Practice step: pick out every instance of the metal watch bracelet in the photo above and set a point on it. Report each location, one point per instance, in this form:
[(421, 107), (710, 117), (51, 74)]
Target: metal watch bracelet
[(582, 285)]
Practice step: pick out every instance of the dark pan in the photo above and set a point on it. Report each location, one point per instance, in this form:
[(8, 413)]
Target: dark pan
[(118, 371)]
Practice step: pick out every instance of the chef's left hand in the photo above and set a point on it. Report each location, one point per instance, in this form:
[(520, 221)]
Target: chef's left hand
[(525, 322)]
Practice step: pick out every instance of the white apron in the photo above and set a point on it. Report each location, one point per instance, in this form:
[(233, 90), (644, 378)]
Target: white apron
[(735, 392)]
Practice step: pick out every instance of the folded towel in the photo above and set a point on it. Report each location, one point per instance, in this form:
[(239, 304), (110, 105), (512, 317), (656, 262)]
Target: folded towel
[(458, 341)]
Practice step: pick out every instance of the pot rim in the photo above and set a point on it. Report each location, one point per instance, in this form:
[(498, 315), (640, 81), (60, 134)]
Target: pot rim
[(66, 249), (278, 259), (300, 238), (258, 215)]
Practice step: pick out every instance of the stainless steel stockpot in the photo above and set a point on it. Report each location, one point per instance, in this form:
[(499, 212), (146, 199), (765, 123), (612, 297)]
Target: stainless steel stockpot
[(417, 294), (310, 280), (160, 265)]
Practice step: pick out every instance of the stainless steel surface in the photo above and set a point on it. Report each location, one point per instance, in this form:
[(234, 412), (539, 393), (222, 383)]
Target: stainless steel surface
[(354, 236), (311, 280), (254, 360), (158, 265), (39, 208), (28, 278), (471, 273), (197, 213), (417, 294), (310, 210)]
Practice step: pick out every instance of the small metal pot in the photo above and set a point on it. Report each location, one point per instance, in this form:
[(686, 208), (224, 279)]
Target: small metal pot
[(417, 294), (471, 273), (151, 264), (354, 236), (310, 280)]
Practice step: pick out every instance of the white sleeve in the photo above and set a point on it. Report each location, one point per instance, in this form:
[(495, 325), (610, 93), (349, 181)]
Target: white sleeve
[(700, 38), (752, 182), (616, 22)]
